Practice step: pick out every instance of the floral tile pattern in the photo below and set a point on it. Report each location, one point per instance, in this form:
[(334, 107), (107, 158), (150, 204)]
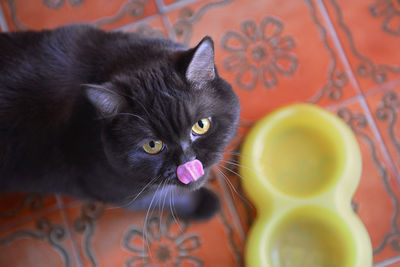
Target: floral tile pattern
[(385, 106), (41, 242), (370, 46), (342, 55), (39, 14)]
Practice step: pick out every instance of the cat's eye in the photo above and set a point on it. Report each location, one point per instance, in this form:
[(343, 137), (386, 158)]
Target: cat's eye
[(202, 126), (153, 147)]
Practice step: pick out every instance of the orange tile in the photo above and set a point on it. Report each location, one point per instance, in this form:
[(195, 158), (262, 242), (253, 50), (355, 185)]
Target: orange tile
[(16, 207), (264, 51), (114, 237), (152, 26), (377, 199), (38, 14), (385, 107), (369, 33), (42, 242)]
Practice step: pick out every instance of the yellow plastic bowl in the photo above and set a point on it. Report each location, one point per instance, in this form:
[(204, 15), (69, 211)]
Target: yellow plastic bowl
[(302, 165)]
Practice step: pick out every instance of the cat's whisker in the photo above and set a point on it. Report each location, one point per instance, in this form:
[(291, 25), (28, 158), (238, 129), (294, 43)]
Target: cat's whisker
[(226, 178), (144, 188), (130, 201), (227, 182), (176, 219), (265, 162), (237, 174), (172, 208), (145, 233), (237, 164), (235, 154), (158, 204), (234, 160), (165, 195)]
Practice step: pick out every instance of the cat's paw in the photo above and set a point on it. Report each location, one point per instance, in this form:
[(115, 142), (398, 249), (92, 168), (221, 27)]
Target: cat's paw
[(204, 204)]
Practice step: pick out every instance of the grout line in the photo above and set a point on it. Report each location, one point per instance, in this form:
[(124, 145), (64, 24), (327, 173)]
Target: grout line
[(338, 44), (172, 7), (387, 262), (344, 103), (169, 28), (137, 22), (363, 100), (75, 249), (160, 6), (382, 87), (3, 22)]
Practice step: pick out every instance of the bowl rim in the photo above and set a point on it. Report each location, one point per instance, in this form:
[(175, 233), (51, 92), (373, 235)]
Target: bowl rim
[(352, 165)]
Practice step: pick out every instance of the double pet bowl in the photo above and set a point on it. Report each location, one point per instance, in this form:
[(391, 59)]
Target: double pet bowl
[(301, 167)]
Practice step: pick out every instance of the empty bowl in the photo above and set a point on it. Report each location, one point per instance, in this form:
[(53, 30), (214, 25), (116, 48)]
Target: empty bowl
[(301, 166)]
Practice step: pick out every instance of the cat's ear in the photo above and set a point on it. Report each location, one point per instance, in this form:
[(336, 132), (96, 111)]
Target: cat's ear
[(106, 101), (199, 62)]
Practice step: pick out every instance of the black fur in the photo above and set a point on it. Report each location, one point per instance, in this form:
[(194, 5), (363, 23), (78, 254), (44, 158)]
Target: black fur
[(57, 136)]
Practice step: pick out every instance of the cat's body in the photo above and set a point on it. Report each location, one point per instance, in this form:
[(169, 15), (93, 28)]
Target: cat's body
[(77, 105)]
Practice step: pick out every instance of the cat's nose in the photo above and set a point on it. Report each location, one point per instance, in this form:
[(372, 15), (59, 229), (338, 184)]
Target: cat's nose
[(186, 154), (186, 158)]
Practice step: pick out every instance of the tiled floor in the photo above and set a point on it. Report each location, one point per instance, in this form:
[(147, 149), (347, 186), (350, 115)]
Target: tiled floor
[(342, 55)]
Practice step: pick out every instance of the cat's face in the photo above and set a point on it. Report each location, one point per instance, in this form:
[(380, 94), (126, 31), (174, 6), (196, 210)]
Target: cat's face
[(167, 114)]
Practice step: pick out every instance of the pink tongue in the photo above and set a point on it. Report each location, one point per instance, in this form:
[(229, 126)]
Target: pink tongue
[(190, 171)]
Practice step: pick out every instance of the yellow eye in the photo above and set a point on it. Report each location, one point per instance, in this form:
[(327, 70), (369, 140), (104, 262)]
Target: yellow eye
[(153, 147), (201, 127)]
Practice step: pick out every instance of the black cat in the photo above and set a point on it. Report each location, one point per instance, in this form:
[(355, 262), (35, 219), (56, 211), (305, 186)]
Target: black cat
[(111, 116)]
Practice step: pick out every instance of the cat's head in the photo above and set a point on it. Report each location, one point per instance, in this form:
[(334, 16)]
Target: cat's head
[(169, 110)]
